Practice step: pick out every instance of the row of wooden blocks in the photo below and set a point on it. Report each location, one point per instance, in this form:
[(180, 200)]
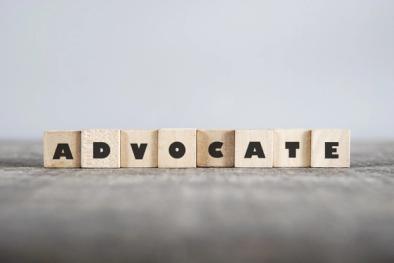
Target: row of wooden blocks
[(183, 148)]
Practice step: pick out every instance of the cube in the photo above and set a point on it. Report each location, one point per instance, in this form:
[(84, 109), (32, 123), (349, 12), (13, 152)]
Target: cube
[(215, 148), (62, 149), (292, 148), (330, 148), (100, 148), (138, 148), (254, 148), (177, 148)]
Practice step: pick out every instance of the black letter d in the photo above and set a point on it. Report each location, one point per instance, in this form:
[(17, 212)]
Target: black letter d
[(100, 150)]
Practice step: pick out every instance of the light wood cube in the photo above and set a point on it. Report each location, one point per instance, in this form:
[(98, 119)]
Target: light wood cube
[(215, 148), (330, 148), (254, 148), (177, 148), (62, 149), (100, 148), (138, 148), (292, 148)]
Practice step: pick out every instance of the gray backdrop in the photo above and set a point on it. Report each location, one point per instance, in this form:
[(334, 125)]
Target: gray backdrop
[(77, 64)]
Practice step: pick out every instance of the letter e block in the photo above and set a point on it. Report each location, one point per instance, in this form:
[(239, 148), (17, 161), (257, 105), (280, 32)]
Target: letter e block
[(330, 148), (138, 148), (62, 149), (177, 148), (215, 148), (100, 148), (254, 148), (292, 148)]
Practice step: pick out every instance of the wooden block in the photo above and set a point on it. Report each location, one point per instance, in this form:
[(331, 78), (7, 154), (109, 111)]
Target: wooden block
[(177, 148), (100, 148), (62, 149), (330, 148), (138, 148), (215, 148), (292, 148), (254, 148)]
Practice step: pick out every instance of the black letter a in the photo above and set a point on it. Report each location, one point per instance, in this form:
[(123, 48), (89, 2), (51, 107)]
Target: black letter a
[(254, 148), (62, 150)]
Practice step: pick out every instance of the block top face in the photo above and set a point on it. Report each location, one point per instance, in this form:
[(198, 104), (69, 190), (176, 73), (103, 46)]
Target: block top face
[(330, 148), (292, 147), (215, 148), (176, 148), (138, 148), (100, 148), (62, 149), (253, 148)]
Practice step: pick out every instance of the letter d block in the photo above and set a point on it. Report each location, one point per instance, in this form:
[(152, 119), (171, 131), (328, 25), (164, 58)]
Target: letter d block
[(62, 149), (292, 148), (330, 148), (177, 148), (100, 148), (215, 148)]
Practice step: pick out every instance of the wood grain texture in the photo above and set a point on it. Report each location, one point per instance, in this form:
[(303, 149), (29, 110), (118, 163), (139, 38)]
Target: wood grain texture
[(187, 137), (197, 215), (226, 157), (242, 140), (110, 137), (52, 139), (282, 156), (138, 137), (340, 154)]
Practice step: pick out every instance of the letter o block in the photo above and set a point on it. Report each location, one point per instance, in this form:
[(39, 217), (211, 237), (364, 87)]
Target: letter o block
[(100, 148), (215, 148), (62, 149), (177, 148), (330, 148)]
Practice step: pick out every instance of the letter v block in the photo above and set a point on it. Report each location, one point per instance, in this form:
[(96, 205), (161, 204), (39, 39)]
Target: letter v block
[(100, 148), (330, 148), (138, 148), (62, 149), (253, 148), (292, 148), (215, 148), (177, 148)]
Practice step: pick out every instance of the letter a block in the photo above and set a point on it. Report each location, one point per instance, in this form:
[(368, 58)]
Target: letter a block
[(100, 148), (62, 149), (138, 148), (254, 148), (177, 148), (292, 148), (330, 148), (215, 148)]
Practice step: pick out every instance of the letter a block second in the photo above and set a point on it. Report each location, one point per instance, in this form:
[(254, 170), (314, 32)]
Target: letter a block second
[(253, 148), (100, 148)]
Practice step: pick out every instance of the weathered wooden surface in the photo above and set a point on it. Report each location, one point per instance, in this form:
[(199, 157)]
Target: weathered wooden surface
[(196, 215)]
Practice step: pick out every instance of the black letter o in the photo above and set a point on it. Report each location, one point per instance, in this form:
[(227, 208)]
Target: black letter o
[(177, 150)]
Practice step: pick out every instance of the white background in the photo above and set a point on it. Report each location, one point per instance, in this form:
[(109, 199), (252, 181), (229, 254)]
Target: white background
[(210, 64)]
